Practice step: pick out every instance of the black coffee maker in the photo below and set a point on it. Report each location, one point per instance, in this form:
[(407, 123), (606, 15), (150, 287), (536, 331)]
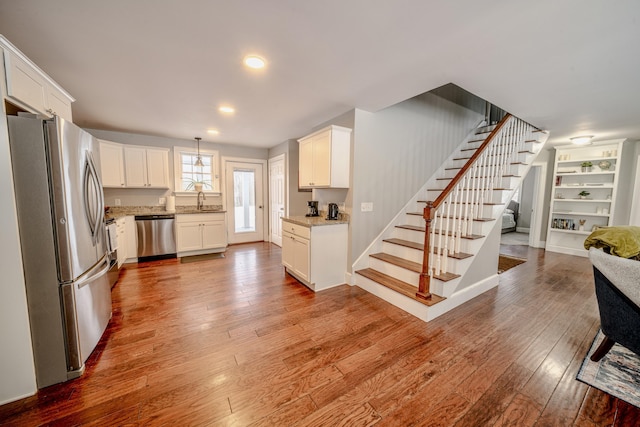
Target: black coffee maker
[(312, 208), (332, 212)]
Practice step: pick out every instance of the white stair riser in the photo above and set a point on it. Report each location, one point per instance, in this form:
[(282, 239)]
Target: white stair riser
[(453, 265), (476, 228), (518, 170), (528, 146), (466, 245), (392, 270), (519, 157), (506, 182), (494, 196)]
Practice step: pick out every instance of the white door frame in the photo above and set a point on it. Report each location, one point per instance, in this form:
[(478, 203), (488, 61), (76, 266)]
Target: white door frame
[(537, 205), (223, 185), (285, 190)]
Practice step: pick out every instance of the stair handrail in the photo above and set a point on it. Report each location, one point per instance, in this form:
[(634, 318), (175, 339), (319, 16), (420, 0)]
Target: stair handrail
[(432, 206)]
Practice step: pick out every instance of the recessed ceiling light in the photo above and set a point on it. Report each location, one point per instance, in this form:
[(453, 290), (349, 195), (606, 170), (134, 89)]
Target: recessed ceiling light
[(226, 109), (253, 61), (213, 132), (582, 140)]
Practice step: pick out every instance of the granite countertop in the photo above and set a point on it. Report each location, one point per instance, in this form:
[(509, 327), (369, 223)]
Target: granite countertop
[(120, 211), (313, 221)]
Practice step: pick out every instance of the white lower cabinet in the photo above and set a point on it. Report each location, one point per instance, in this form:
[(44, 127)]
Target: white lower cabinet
[(200, 233), (316, 255)]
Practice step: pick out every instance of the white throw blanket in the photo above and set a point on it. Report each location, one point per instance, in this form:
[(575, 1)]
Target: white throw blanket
[(622, 272)]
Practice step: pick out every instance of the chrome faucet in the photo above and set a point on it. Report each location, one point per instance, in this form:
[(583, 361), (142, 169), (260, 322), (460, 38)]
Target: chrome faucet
[(200, 203)]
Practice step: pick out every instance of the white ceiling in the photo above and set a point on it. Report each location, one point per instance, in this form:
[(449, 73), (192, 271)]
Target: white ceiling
[(162, 67)]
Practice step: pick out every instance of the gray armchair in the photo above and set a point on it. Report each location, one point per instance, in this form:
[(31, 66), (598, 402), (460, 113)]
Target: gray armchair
[(617, 282)]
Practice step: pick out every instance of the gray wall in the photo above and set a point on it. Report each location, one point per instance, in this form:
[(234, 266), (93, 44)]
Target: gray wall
[(296, 200), (395, 152), (526, 200), (150, 197)]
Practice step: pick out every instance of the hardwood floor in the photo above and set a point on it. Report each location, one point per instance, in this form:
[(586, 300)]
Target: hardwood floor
[(235, 341)]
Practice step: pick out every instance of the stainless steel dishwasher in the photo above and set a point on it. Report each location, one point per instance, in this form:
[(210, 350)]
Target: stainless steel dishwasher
[(156, 236)]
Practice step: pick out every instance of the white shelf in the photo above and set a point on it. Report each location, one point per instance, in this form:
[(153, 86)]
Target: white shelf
[(583, 186), (584, 200), (602, 184), (576, 232), (580, 214)]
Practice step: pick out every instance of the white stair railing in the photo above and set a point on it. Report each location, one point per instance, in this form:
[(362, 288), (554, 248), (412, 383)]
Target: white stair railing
[(450, 217)]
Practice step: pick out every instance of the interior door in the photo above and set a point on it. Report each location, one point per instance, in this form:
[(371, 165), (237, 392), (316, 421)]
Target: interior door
[(245, 204), (276, 198)]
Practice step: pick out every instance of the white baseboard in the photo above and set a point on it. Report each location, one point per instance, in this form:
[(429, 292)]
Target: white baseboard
[(522, 229)]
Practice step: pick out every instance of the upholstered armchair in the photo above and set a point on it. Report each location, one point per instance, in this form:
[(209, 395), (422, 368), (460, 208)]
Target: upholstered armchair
[(617, 282)]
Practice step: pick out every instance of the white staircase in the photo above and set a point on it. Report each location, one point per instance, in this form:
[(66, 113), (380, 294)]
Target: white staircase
[(470, 192)]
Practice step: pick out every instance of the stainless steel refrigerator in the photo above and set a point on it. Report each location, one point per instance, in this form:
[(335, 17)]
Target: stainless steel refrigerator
[(62, 235)]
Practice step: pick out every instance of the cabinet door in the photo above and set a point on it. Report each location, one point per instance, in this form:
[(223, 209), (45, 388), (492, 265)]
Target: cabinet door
[(322, 160), (131, 237), (214, 235), (111, 164), (135, 163), (157, 168), (24, 84), (189, 236), (58, 103), (301, 254), (288, 249), (305, 167)]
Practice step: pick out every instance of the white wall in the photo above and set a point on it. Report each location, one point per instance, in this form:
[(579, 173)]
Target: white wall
[(17, 372), (395, 151)]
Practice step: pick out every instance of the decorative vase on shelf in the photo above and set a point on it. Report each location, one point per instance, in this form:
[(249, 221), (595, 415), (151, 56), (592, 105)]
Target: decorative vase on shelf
[(197, 187), (604, 165)]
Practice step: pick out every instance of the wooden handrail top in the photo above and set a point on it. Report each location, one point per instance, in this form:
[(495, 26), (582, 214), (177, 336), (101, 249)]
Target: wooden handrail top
[(466, 167)]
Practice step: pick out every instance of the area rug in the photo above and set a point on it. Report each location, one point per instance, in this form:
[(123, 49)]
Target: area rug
[(617, 373), (196, 258), (505, 262)]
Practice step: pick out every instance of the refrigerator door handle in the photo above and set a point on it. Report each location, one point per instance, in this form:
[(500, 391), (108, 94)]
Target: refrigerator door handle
[(91, 275), (93, 203)]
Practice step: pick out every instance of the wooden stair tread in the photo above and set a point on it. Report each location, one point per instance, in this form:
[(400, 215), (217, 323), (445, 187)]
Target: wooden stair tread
[(464, 203), (400, 262), (480, 177), (399, 286), (424, 229), (474, 189), (412, 266), (420, 247), (450, 217)]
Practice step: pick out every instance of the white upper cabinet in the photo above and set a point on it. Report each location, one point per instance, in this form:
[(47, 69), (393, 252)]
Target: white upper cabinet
[(325, 158), (146, 167), (132, 166), (30, 88), (111, 164)]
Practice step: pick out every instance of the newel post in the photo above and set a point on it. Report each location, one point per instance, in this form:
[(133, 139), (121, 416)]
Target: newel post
[(423, 285)]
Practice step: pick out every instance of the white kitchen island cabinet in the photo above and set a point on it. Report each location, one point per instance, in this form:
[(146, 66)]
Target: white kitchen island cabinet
[(201, 233), (314, 251), (325, 158)]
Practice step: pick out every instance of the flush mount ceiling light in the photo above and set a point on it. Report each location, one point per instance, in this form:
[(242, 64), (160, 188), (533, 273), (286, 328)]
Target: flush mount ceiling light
[(581, 140), (198, 159), (213, 131), (253, 61), (226, 109)]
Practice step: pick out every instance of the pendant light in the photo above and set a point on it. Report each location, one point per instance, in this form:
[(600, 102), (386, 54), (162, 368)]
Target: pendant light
[(199, 158)]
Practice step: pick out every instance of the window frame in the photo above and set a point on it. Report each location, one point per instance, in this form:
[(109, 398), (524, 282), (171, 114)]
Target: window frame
[(177, 171)]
